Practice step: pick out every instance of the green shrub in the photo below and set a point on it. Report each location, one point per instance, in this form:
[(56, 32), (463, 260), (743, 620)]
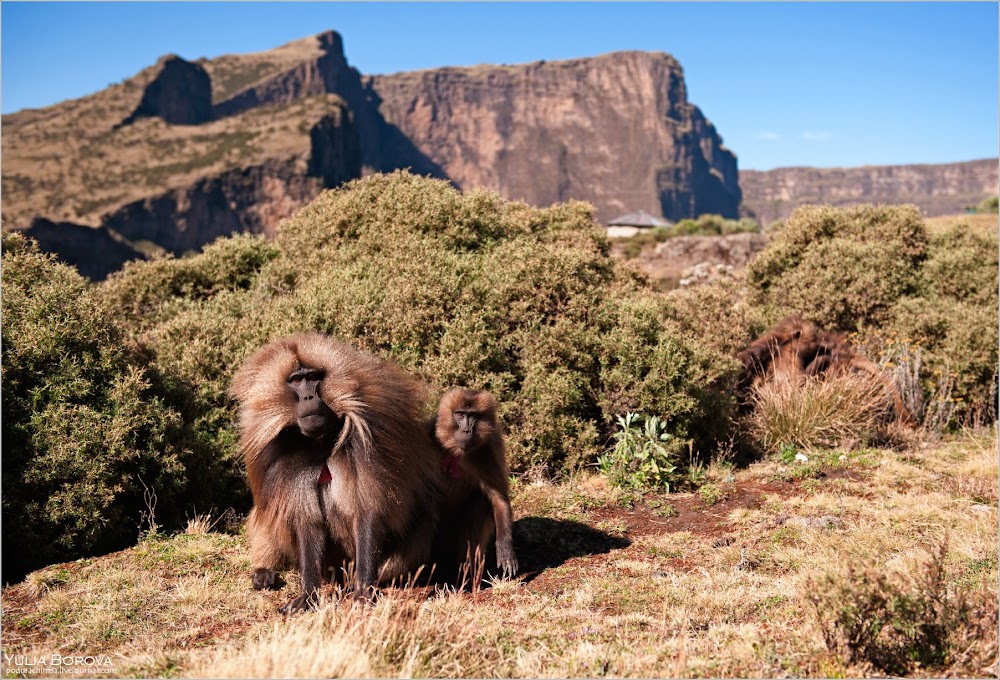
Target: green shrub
[(874, 268), (146, 292), (717, 316), (634, 245), (85, 421), (463, 289), (649, 364), (952, 318), (841, 267), (990, 204), (958, 343), (714, 225), (961, 266), (704, 225), (644, 457)]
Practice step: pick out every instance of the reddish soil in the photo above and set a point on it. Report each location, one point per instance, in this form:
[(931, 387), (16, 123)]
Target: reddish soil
[(692, 514)]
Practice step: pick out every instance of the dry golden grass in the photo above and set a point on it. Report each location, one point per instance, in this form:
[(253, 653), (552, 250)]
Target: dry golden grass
[(713, 590), (845, 410)]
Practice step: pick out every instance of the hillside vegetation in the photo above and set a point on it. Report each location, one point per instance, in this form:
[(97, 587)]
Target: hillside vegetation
[(855, 564), (115, 406)]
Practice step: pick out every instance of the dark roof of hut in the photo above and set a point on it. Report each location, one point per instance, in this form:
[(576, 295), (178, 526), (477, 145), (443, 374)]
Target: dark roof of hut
[(639, 218)]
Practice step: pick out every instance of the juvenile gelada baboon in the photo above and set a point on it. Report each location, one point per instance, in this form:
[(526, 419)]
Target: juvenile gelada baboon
[(476, 502), (339, 462), (796, 348)]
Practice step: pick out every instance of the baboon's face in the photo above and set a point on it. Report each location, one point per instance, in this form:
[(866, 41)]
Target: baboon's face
[(315, 419)]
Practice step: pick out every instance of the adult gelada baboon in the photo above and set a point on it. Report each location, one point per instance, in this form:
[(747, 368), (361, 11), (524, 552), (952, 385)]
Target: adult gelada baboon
[(339, 462), (476, 503), (796, 348)]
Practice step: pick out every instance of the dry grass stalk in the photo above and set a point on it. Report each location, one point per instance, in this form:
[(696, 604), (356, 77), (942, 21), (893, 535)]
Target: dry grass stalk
[(811, 413), (202, 523)]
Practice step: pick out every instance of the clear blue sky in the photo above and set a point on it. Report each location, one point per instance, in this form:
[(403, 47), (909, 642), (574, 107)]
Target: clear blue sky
[(821, 84)]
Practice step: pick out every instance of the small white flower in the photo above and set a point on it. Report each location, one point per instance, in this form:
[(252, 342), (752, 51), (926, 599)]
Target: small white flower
[(801, 457)]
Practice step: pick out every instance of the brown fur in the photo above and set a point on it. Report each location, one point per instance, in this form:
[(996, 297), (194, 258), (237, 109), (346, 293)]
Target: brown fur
[(384, 467), (796, 348), (476, 503)]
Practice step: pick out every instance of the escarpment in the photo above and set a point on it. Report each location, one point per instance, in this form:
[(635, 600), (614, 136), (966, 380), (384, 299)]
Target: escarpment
[(941, 189), (615, 130), (187, 151)]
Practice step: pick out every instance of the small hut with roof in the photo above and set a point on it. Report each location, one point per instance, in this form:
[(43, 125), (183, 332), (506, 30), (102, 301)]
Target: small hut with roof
[(633, 223)]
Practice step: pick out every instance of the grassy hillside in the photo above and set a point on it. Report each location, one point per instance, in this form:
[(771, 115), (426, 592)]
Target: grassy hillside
[(748, 577), (116, 419), (150, 157), (74, 161)]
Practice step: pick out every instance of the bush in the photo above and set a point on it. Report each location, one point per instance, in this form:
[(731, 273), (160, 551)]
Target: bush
[(146, 292), (85, 421), (873, 269), (961, 266), (704, 225), (644, 457), (901, 624), (463, 289), (714, 225), (717, 316), (842, 268), (990, 204), (953, 318), (958, 342)]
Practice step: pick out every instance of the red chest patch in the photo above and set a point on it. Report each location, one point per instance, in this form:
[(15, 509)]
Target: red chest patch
[(452, 467), (324, 476)]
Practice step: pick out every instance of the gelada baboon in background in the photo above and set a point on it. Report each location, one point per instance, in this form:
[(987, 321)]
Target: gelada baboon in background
[(339, 462), (796, 348), (476, 502)]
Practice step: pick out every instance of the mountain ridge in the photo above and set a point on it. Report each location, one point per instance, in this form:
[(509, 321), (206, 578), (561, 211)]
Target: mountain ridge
[(186, 151), (936, 188)]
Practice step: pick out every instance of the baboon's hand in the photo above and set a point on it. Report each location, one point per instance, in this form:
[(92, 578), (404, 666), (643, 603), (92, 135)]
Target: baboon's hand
[(265, 579), (507, 561)]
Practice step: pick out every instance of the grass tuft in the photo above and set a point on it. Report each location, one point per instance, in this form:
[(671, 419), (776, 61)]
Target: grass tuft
[(847, 411)]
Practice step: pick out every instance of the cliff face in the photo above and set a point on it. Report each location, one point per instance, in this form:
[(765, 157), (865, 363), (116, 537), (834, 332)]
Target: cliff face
[(181, 93), (245, 200), (616, 130), (935, 189), (95, 252), (185, 152)]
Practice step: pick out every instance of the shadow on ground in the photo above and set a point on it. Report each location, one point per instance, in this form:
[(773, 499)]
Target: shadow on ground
[(542, 543)]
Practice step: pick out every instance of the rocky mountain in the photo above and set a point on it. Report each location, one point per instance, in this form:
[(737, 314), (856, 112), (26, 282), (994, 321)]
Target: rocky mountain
[(937, 189), (184, 152), (616, 130)]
